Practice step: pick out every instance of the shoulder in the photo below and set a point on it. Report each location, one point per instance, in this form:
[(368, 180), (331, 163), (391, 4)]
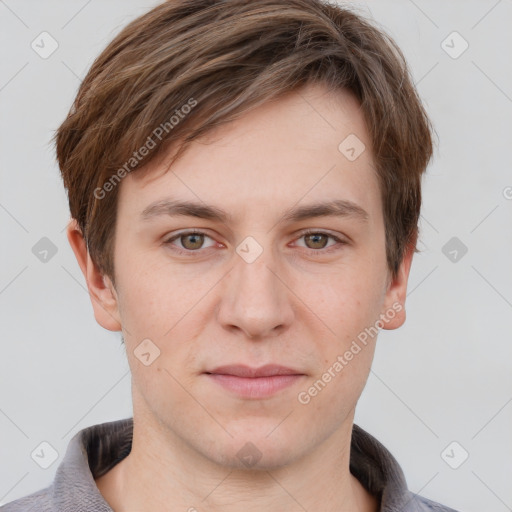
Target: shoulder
[(92, 451), (421, 504), (38, 501)]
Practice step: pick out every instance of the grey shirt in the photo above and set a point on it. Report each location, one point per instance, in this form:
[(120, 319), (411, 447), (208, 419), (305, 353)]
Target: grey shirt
[(95, 450)]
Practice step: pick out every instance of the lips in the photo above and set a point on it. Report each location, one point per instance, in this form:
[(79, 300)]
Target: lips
[(269, 370), (254, 383)]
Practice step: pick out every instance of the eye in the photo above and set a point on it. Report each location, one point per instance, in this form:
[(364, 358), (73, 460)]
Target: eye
[(191, 241), (318, 240)]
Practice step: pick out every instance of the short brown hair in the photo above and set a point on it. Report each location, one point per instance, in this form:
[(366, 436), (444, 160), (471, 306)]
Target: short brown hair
[(223, 57)]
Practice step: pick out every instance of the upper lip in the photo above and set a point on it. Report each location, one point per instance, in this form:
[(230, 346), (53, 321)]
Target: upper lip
[(268, 370)]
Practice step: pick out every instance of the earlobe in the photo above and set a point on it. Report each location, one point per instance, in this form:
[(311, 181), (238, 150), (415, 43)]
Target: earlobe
[(394, 304), (101, 291)]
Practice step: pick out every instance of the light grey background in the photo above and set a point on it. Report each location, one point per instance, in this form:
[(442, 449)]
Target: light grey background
[(445, 376)]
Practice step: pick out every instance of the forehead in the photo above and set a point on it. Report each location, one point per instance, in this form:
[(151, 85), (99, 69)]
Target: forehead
[(310, 144)]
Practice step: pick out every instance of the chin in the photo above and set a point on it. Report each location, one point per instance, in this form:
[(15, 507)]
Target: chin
[(260, 452)]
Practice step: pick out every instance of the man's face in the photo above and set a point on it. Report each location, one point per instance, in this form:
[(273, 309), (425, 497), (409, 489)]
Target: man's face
[(252, 289)]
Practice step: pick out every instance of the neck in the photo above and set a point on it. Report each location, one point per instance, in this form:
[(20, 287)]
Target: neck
[(163, 473)]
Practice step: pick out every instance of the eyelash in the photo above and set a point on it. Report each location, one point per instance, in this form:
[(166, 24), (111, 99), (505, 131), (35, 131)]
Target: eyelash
[(189, 252)]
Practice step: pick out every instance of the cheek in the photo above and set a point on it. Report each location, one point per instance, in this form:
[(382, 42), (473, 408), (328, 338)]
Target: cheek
[(346, 308), (152, 296), (349, 308), (346, 299), (158, 304)]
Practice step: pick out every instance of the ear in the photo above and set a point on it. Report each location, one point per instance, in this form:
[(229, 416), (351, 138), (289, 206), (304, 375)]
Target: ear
[(397, 291), (101, 291)]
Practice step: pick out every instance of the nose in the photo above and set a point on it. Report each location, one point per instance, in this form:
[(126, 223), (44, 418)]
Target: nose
[(255, 300)]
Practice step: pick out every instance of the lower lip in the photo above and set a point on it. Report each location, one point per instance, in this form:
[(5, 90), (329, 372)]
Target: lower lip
[(254, 387)]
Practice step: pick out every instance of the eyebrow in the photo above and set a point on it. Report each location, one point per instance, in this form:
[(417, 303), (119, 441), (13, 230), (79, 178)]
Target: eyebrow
[(334, 208)]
